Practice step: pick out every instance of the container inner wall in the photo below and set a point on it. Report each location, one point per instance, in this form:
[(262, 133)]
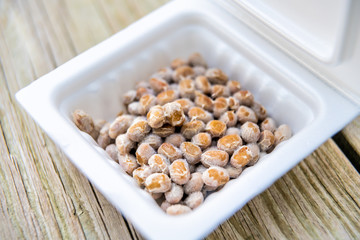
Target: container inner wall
[(101, 96)]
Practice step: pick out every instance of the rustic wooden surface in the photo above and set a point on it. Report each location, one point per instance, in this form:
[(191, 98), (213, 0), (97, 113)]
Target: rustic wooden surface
[(44, 196)]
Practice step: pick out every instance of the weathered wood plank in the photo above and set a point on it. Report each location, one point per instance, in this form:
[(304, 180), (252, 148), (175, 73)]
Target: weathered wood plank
[(352, 134), (32, 170)]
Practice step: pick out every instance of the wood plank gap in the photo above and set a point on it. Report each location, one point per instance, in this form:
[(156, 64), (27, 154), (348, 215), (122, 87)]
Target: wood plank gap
[(348, 150), (131, 229)]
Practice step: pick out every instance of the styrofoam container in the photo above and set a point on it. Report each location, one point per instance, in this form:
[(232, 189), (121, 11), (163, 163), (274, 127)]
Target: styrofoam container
[(96, 79)]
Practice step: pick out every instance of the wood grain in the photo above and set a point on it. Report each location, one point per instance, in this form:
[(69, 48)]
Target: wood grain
[(44, 196), (352, 134)]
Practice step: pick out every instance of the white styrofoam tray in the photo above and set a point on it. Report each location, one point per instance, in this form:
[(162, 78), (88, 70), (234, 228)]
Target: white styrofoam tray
[(96, 79)]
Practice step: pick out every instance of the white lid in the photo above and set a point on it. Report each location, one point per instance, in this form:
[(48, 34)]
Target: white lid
[(323, 35)]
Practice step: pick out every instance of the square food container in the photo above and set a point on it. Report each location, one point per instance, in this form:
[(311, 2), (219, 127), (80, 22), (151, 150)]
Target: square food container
[(229, 36)]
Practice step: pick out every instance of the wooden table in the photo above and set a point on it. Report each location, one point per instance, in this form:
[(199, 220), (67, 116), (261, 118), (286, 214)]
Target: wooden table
[(44, 196)]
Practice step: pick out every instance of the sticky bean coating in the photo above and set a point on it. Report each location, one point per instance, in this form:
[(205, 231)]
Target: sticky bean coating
[(198, 113), (207, 190), (255, 153), (83, 121), (233, 171), (216, 128), (199, 71), (156, 116), (170, 151), (175, 139), (215, 176), (214, 157), (158, 85), (154, 140), (164, 205), (246, 114), (191, 152), (187, 88), (182, 72), (156, 196), (233, 103), (159, 164), (124, 144), (178, 209), (190, 129), (142, 84), (229, 143), (175, 194), (250, 132), (202, 84), (268, 124), (196, 59), (203, 101), (120, 125), (135, 108), (203, 140), (233, 86), (164, 73), (200, 168), (244, 97), (99, 123), (174, 114), (195, 183), (104, 139), (179, 171), (138, 130), (194, 200), (174, 86), (143, 153), (157, 183), (178, 62), (141, 91), (129, 97), (192, 168), (259, 110), (220, 106), (216, 76), (146, 102), (164, 131), (266, 140), (185, 104), (141, 173), (233, 130), (167, 96), (229, 118), (241, 157), (112, 151), (282, 133), (128, 163), (218, 90)]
